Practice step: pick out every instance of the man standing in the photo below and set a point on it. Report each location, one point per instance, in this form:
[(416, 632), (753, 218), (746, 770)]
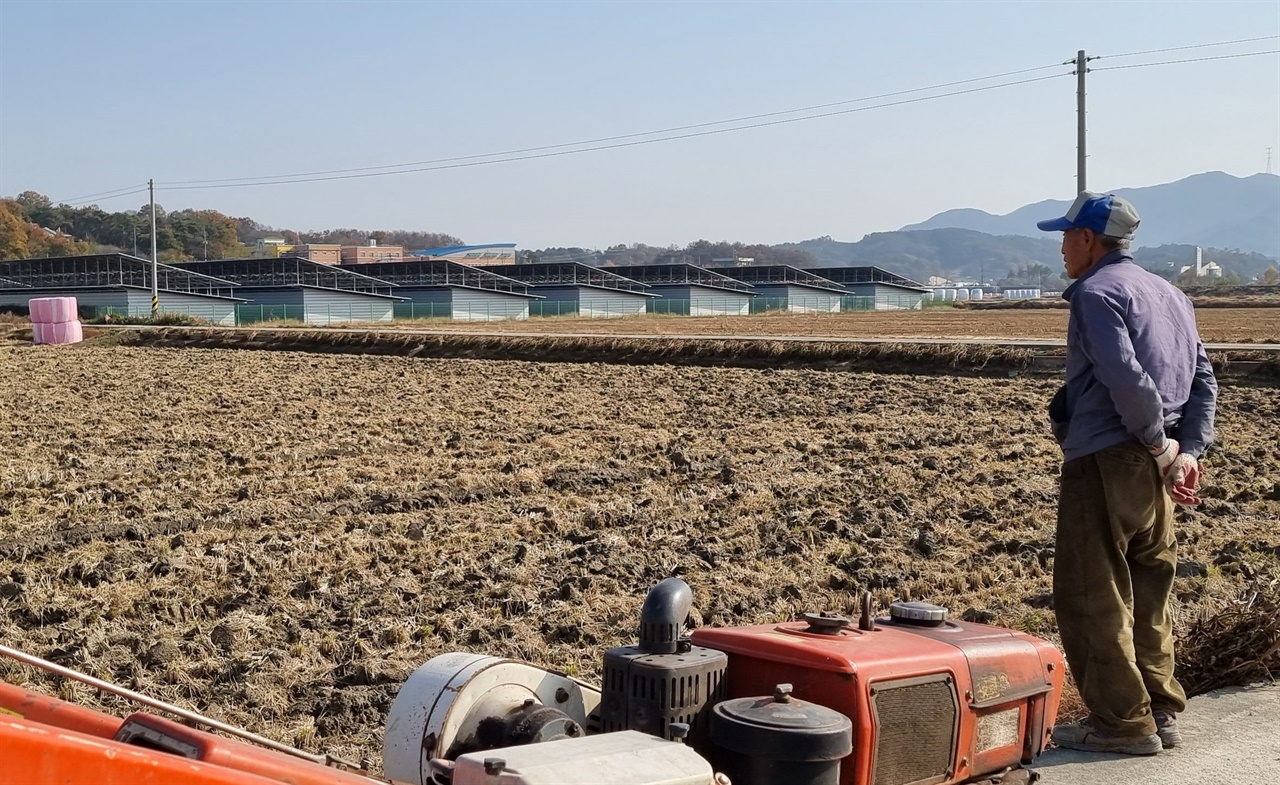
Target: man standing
[(1133, 419)]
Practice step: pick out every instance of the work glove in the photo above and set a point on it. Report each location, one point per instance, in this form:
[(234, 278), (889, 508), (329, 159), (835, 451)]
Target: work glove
[(1183, 479), (1165, 455)]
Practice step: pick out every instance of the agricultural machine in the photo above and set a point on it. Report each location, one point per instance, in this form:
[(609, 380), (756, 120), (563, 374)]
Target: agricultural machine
[(911, 698)]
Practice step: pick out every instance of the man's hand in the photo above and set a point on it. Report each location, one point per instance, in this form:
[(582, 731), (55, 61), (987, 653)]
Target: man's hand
[(1183, 479), (1165, 455)]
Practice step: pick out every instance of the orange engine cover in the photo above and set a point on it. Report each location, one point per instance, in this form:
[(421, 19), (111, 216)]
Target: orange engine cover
[(939, 705)]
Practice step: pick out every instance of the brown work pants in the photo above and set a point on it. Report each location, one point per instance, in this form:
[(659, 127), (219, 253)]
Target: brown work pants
[(1112, 576)]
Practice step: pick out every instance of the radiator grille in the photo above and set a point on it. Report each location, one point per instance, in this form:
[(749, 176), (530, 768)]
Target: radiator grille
[(916, 721)]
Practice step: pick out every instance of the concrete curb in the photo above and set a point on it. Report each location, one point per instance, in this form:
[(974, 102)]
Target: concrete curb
[(1230, 737)]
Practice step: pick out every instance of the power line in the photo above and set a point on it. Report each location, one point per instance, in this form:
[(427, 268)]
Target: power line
[(1194, 46), (619, 145), (615, 138), (112, 194), (1190, 60)]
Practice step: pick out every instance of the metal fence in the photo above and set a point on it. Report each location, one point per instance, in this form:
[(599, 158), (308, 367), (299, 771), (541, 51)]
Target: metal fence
[(251, 314)]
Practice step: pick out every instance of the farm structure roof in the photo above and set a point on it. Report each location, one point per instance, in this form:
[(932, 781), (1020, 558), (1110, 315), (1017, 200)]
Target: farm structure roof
[(568, 274), (455, 249), (440, 272), (865, 275), (679, 275), (97, 271), (289, 271), (776, 274)]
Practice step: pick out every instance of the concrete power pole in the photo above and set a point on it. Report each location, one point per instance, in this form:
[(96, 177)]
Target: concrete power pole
[(155, 266), (1081, 70)]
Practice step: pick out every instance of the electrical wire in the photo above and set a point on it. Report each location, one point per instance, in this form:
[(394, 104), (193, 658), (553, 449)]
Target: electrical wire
[(634, 143), (112, 194), (1191, 60), (1192, 46), (614, 138)]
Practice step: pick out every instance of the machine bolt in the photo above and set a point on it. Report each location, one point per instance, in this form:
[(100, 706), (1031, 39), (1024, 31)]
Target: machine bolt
[(679, 731), (529, 702), (494, 765), (721, 779), (562, 695), (782, 693)]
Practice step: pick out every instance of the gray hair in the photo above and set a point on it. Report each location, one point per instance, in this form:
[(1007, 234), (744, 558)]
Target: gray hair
[(1114, 243)]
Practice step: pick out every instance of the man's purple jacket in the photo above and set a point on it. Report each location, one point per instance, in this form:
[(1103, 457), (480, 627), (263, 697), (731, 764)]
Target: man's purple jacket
[(1136, 368)]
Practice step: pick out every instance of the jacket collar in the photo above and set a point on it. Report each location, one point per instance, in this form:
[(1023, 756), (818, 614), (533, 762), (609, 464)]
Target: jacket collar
[(1116, 256)]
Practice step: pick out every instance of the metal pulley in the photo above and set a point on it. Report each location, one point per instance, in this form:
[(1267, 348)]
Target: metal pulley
[(462, 703)]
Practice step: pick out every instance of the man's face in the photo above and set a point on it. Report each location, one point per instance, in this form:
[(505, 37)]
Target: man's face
[(1077, 251)]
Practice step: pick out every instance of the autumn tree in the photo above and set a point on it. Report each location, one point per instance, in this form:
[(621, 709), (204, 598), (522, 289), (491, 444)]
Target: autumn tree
[(13, 231)]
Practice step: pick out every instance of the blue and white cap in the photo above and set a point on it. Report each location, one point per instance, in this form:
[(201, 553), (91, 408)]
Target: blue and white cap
[(1105, 214)]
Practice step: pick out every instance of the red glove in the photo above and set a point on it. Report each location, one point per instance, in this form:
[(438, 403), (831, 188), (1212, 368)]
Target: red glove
[(1183, 479)]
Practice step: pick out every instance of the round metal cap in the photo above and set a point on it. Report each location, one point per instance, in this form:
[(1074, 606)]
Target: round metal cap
[(921, 613), (825, 623), (786, 729)]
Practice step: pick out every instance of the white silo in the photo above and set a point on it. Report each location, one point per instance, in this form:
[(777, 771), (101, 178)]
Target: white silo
[(962, 294), (975, 294), (951, 295), (939, 294)]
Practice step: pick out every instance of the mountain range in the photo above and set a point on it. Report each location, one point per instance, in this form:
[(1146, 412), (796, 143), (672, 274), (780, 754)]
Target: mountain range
[(1213, 209), (1235, 220)]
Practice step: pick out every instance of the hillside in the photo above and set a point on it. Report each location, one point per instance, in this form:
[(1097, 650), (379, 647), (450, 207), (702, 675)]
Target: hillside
[(952, 253), (971, 255), (1213, 209)]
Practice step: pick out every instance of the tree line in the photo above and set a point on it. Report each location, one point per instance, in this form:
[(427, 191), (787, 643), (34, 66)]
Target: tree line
[(31, 225)]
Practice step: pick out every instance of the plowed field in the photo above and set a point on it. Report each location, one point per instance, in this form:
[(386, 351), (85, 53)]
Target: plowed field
[(279, 538)]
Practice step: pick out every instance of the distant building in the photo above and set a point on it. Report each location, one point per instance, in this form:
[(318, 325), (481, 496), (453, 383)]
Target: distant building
[(270, 248), (475, 255), (321, 253), (372, 252), (1202, 270)]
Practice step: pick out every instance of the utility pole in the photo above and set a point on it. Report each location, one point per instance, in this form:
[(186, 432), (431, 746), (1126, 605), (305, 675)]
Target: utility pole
[(1081, 69), (205, 231), (1268, 160), (155, 266)]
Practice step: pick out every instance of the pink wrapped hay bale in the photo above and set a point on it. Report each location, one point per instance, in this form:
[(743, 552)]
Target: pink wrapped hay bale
[(63, 333), (53, 310)]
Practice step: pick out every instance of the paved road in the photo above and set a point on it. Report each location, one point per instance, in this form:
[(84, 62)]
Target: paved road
[(1019, 343), (1231, 737)]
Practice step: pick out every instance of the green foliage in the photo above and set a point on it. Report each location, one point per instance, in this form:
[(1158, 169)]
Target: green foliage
[(412, 241), (700, 252), (163, 319), (960, 254), (1168, 261)]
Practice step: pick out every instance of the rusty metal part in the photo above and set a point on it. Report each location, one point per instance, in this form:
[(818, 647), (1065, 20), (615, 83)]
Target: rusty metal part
[(1013, 776)]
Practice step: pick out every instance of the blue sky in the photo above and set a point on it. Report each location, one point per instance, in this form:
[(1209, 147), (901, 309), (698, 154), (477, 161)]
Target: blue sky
[(100, 95)]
